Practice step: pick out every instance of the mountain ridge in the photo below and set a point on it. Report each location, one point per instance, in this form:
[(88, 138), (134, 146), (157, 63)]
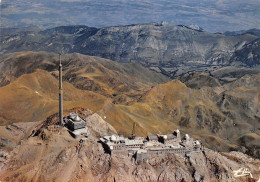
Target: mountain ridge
[(159, 46)]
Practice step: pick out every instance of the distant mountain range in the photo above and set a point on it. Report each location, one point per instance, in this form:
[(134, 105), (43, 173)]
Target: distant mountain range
[(170, 49), (253, 31)]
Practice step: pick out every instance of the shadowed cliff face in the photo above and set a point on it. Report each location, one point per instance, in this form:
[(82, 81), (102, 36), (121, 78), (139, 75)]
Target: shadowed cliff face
[(53, 155), (248, 54), (225, 117)]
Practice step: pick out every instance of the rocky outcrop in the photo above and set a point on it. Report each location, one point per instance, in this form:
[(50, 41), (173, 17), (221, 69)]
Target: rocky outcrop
[(100, 126)]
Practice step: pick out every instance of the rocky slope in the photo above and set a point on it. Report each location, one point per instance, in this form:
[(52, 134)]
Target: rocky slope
[(197, 81), (249, 54), (53, 155), (161, 46)]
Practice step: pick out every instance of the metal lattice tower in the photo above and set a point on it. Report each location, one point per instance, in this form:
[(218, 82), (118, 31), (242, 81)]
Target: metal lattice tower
[(60, 94)]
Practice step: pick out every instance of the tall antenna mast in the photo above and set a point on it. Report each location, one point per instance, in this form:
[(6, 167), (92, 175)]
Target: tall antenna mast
[(60, 94)]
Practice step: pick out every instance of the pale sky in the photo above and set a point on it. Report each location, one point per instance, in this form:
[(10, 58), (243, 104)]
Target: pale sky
[(211, 15)]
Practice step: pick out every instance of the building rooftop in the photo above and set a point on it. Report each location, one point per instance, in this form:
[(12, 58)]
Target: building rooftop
[(153, 137), (74, 122), (154, 144)]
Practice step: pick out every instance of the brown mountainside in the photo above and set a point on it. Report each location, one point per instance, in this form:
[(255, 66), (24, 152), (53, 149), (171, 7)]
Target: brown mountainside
[(222, 117), (33, 97)]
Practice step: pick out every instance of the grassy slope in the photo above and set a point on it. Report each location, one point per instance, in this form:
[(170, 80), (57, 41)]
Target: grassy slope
[(33, 97)]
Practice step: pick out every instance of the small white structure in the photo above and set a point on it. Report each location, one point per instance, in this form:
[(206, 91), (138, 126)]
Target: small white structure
[(76, 125)]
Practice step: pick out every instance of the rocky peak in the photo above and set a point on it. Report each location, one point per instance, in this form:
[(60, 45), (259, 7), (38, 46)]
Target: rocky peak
[(195, 27), (53, 155)]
